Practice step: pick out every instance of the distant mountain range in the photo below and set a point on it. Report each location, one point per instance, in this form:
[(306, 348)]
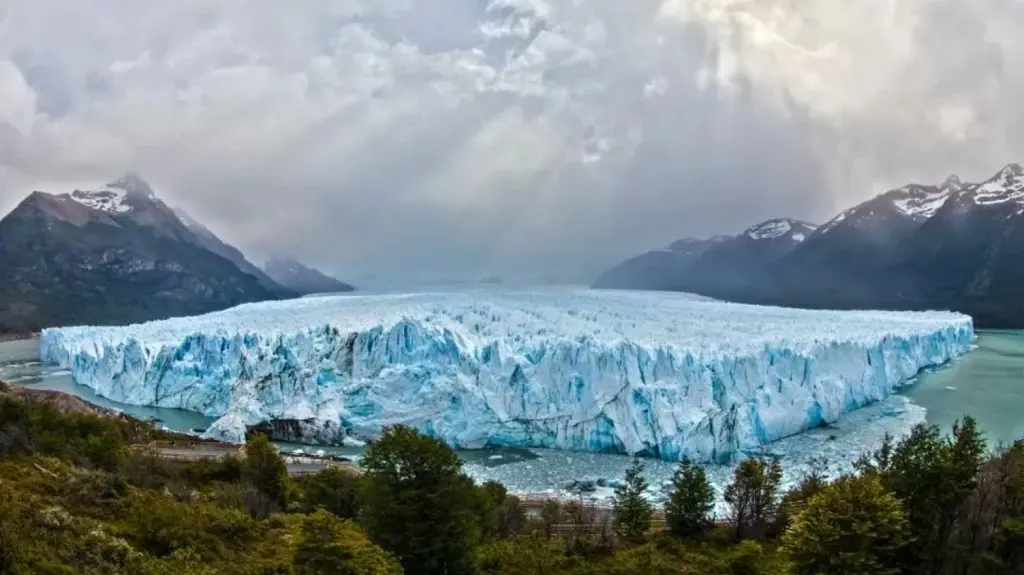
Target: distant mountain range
[(303, 279), (114, 255), (953, 245)]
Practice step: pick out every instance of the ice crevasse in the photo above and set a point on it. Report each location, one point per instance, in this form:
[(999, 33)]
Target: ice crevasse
[(659, 374)]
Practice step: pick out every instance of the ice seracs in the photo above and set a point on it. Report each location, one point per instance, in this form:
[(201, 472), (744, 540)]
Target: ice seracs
[(660, 374)]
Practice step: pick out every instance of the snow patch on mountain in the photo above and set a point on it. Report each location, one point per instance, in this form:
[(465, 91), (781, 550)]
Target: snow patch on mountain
[(919, 202), (1006, 186), (106, 200), (113, 197), (662, 374), (777, 228)]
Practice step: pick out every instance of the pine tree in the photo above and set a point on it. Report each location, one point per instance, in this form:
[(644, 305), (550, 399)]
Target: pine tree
[(690, 501), (632, 512)]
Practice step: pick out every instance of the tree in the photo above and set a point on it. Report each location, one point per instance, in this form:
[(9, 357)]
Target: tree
[(266, 471), (690, 501), (332, 489), (852, 527), (933, 476), (796, 499), (502, 515), (631, 509), (753, 495), (552, 513), (330, 545), (416, 503)]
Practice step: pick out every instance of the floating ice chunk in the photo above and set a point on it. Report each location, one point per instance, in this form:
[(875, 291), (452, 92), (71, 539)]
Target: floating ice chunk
[(652, 373)]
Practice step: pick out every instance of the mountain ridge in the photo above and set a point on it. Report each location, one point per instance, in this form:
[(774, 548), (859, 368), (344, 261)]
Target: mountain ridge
[(952, 245), (301, 278), (113, 254)]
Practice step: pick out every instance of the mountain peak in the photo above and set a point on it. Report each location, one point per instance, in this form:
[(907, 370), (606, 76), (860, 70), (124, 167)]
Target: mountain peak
[(1013, 169), (952, 183), (921, 202), (1006, 186), (115, 197), (780, 227), (133, 185)]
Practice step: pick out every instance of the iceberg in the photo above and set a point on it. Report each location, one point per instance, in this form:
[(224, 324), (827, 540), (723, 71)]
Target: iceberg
[(656, 374)]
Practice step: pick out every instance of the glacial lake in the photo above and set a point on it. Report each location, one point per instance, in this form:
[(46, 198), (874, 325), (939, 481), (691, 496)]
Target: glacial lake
[(987, 383)]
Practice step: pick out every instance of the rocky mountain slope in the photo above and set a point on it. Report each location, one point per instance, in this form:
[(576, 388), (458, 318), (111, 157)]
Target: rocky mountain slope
[(112, 255), (953, 245), (303, 279), (210, 241)]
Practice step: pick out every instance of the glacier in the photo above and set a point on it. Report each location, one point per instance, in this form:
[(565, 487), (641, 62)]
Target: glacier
[(657, 374)]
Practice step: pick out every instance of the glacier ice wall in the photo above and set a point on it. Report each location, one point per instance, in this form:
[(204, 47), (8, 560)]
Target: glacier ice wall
[(653, 373)]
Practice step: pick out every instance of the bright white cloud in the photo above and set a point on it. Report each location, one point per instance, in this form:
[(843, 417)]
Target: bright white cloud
[(533, 136)]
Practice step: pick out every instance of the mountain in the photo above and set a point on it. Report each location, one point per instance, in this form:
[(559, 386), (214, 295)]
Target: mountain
[(720, 264), (662, 269), (952, 245), (968, 254), (116, 254), (733, 265), (210, 241), (303, 279)]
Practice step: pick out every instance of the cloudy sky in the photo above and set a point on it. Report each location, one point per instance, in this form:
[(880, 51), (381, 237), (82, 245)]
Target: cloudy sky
[(457, 138)]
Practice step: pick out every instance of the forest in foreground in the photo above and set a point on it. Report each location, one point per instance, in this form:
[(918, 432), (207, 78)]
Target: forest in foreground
[(81, 492)]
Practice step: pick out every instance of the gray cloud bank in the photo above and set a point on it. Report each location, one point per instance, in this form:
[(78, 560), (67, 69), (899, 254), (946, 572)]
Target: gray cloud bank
[(458, 138)]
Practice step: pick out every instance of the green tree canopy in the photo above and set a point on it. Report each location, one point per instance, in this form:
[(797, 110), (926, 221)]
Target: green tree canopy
[(333, 546), (690, 501), (266, 470), (753, 495), (332, 489), (852, 527), (416, 503), (632, 511)]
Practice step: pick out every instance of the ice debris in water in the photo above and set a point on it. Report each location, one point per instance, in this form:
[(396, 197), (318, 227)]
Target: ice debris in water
[(659, 374), (593, 477)]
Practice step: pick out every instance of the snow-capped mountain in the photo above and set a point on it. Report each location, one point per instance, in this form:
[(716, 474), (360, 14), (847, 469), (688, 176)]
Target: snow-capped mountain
[(303, 279), (953, 245), (693, 264), (781, 228), (732, 265), (968, 254), (112, 254), (116, 197)]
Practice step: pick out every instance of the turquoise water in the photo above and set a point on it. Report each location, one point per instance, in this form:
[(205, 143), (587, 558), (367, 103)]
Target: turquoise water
[(19, 364), (987, 383)]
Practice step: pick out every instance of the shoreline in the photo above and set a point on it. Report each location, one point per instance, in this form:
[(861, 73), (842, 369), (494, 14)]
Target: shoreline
[(8, 337)]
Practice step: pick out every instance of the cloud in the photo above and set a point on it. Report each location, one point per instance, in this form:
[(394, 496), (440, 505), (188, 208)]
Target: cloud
[(524, 137)]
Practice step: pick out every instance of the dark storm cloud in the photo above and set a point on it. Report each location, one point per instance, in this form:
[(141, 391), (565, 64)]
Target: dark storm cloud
[(524, 137)]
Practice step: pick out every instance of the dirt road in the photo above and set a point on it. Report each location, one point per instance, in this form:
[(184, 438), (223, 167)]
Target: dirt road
[(296, 465)]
